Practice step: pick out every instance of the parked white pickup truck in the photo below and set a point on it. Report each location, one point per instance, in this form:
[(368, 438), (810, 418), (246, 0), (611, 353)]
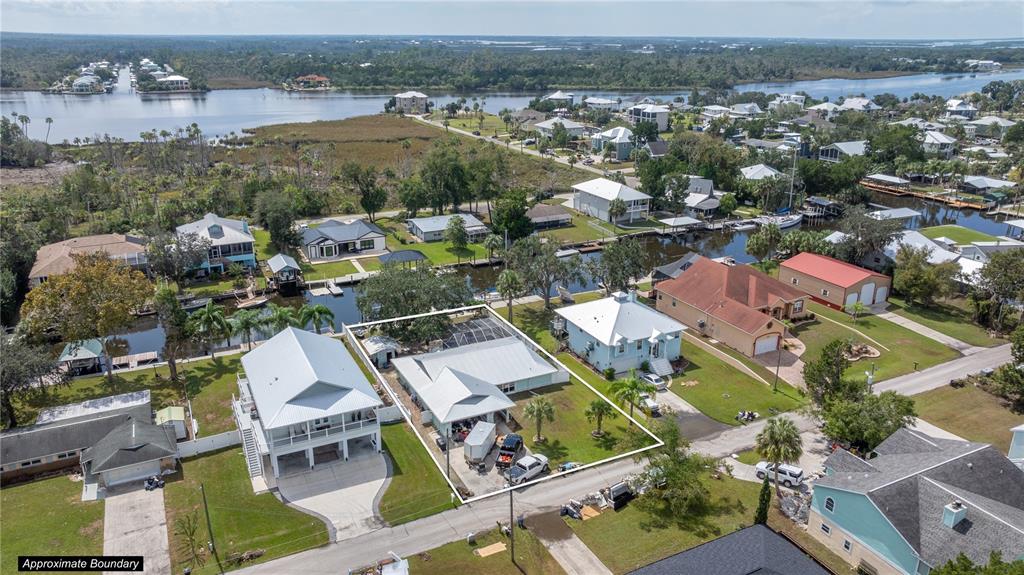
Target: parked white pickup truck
[(527, 468)]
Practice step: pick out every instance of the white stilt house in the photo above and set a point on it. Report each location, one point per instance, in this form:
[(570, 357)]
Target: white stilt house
[(304, 401)]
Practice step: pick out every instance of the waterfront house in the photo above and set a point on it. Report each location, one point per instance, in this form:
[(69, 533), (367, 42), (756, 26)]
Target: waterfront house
[(57, 258), (939, 144), (334, 240), (411, 103), (957, 108), (174, 82), (231, 241), (759, 172), (431, 229), (834, 282), (473, 381), (982, 185), (284, 269), (918, 503), (991, 126), (674, 268), (304, 401), (654, 113), (312, 81), (544, 216), (983, 251), (547, 127), (560, 97), (620, 139), (840, 150), (619, 333), (787, 100), (601, 103), (593, 198), (859, 105), (87, 85), (737, 305)]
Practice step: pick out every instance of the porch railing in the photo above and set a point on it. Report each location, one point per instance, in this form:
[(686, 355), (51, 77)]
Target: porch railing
[(316, 434)]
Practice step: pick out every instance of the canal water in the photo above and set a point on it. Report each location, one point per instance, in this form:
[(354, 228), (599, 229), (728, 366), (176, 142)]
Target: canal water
[(125, 114)]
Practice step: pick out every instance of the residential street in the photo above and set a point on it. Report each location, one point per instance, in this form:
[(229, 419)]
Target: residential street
[(940, 375)]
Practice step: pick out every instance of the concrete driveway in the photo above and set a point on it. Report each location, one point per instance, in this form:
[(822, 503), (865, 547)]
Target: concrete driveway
[(342, 494), (692, 423), (134, 523)]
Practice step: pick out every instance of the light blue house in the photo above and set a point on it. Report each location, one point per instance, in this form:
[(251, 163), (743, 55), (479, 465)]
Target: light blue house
[(1016, 454), (231, 241), (620, 333), (919, 503), (620, 139)]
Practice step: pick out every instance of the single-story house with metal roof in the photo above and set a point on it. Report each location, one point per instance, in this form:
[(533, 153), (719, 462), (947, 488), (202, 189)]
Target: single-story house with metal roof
[(983, 184), (834, 282), (284, 267), (737, 305), (132, 451), (759, 172), (431, 229), (473, 381), (334, 239), (548, 216), (836, 152), (593, 198)]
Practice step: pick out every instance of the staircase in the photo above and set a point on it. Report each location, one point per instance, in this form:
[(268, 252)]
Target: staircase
[(252, 453), (661, 366)]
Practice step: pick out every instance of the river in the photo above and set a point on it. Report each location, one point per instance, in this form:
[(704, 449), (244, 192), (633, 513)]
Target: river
[(125, 114)]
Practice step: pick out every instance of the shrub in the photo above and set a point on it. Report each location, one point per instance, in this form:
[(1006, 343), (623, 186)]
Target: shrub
[(609, 373)]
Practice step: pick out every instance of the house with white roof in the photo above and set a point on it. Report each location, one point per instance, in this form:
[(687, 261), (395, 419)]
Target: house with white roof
[(983, 184), (620, 333), (991, 126), (938, 143), (920, 124), (431, 229), (859, 105), (654, 113), (787, 100), (472, 382), (411, 102), (174, 82), (760, 172), (304, 400), (593, 198), (561, 97), (620, 139), (827, 110), (748, 110), (231, 241), (836, 152), (547, 127), (956, 107), (715, 111), (601, 103)]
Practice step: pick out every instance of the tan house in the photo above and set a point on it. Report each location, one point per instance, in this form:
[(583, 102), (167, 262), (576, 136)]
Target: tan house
[(833, 282), (55, 259), (736, 305)]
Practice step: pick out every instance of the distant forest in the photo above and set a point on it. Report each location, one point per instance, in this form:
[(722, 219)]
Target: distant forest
[(33, 61)]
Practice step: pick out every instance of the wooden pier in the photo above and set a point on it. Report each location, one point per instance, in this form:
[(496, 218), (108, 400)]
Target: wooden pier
[(903, 191)]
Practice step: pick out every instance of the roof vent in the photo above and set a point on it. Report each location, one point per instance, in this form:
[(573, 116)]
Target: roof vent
[(954, 513)]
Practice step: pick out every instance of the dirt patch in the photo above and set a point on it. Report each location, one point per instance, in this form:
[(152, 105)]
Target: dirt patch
[(689, 383), (44, 176), (549, 526), (92, 529)]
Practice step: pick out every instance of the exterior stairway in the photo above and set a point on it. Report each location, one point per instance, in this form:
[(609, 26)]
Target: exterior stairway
[(252, 453), (661, 366)]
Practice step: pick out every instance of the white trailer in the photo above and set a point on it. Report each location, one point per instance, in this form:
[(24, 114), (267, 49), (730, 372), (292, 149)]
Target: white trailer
[(479, 442)]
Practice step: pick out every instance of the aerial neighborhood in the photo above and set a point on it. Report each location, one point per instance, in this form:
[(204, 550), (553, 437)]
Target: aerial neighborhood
[(552, 327)]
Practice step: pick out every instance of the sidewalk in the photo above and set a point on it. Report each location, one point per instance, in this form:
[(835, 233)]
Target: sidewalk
[(962, 347)]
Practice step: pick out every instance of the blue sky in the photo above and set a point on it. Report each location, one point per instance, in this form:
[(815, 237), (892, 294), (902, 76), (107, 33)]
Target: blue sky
[(878, 19)]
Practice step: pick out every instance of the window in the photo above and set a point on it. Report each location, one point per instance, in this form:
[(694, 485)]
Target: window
[(795, 281), (830, 505), (673, 303), (640, 345), (798, 306), (824, 292), (826, 529), (507, 387), (847, 546), (661, 297), (621, 349), (366, 244)]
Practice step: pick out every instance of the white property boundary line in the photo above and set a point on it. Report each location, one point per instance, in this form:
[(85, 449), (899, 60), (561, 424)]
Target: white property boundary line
[(526, 339)]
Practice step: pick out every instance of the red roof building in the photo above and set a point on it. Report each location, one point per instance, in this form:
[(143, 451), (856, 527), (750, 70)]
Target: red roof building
[(834, 282)]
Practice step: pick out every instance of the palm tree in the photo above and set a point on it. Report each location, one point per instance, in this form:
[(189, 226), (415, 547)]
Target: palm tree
[(280, 317), (631, 390), (317, 314), (779, 442), (616, 209), (49, 122), (539, 409), (493, 243), (245, 321), (510, 286), (209, 324), (598, 411)]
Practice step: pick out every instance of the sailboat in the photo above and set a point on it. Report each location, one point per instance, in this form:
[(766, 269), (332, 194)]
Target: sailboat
[(784, 219)]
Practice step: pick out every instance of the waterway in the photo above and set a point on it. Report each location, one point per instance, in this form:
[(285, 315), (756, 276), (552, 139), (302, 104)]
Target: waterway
[(125, 114)]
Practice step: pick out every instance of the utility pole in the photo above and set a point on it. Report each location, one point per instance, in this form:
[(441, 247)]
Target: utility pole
[(511, 524), (209, 529), (448, 451)]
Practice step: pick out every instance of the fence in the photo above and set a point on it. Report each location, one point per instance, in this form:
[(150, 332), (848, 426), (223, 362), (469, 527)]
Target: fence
[(208, 443), (389, 414)]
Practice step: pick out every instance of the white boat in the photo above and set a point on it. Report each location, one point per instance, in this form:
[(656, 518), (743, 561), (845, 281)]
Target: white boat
[(744, 226), (786, 221), (566, 253)]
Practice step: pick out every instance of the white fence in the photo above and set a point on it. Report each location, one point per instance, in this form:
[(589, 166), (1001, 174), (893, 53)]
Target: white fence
[(389, 414), (209, 443)]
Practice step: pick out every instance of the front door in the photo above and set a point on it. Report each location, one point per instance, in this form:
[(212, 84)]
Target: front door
[(656, 350)]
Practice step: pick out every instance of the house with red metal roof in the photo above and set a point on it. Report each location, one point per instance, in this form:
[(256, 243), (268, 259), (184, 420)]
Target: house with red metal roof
[(737, 305), (834, 282)]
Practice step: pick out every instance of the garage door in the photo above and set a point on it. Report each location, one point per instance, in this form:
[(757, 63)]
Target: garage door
[(136, 472), (851, 298), (766, 343), (881, 294), (867, 294)]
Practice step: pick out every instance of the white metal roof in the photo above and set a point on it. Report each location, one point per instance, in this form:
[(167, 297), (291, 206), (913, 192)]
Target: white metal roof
[(560, 95), (936, 253), (93, 406), (859, 104), (680, 221), (411, 94), (600, 101), (617, 135), (827, 106), (220, 231), (894, 214), (985, 182), (889, 179), (565, 122), (609, 190), (1015, 223), (298, 376), (440, 223), (174, 78), (618, 317), (853, 148), (989, 120), (282, 261), (933, 137), (759, 172)]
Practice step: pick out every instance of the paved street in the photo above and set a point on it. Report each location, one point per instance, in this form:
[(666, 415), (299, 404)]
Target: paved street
[(940, 375)]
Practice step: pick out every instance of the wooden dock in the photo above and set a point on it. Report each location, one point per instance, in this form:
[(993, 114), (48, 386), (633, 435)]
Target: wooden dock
[(902, 191), (134, 360)]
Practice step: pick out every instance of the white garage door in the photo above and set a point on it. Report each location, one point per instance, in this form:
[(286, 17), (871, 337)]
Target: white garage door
[(766, 343), (881, 294), (851, 298), (136, 472), (867, 294)]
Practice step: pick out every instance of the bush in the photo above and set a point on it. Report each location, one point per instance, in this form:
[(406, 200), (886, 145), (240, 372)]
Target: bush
[(645, 366), (609, 373)]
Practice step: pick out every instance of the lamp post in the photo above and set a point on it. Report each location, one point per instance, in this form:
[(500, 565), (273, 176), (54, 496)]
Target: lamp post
[(511, 524)]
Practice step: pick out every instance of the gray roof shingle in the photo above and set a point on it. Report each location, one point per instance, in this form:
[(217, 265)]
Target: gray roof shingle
[(336, 231), (133, 441)]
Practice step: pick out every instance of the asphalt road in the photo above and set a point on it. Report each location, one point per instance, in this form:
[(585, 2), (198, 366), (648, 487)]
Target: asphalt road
[(940, 375)]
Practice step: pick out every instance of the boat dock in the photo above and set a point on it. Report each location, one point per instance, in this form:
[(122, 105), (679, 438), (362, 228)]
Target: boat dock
[(134, 360), (949, 198)]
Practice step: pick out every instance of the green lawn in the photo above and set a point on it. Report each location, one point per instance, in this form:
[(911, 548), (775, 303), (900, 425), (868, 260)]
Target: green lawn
[(905, 347), (417, 488), (948, 318), (580, 231), (458, 558), (48, 517), (958, 234), (370, 264), (471, 123), (749, 456), (327, 270), (210, 383), (722, 390), (969, 412), (629, 538), (439, 253), (241, 520)]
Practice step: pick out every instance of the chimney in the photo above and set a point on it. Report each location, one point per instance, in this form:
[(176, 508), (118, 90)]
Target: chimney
[(953, 514)]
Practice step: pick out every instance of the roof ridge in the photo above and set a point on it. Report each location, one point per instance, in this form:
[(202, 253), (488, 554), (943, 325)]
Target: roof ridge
[(929, 468)]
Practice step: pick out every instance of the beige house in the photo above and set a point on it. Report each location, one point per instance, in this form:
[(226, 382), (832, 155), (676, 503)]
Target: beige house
[(411, 103), (55, 259), (833, 282), (736, 305)]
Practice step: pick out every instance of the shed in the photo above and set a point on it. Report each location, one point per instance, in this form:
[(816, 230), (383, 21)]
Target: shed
[(381, 349), (173, 416), (284, 267)]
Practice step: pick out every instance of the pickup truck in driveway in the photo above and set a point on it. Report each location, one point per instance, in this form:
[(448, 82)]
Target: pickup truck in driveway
[(527, 468), (508, 451)]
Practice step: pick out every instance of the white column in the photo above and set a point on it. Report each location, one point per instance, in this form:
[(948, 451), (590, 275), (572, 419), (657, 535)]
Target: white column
[(273, 463), (309, 456), (376, 441), (344, 448)]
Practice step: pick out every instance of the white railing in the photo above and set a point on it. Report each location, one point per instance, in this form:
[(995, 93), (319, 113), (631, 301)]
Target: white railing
[(325, 432)]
